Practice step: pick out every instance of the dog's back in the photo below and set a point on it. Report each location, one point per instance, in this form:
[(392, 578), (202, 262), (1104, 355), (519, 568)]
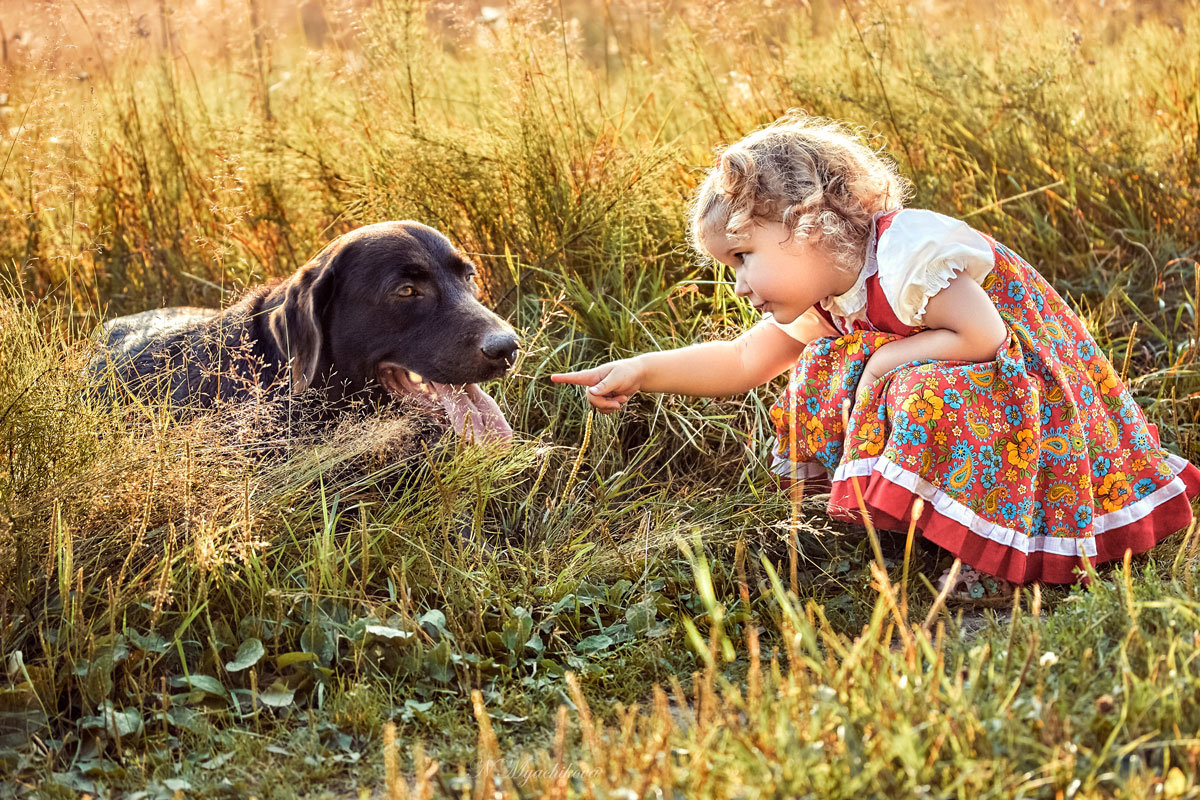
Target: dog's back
[(188, 355), (124, 336)]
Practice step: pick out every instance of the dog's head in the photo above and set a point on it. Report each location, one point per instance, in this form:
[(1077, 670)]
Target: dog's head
[(396, 303)]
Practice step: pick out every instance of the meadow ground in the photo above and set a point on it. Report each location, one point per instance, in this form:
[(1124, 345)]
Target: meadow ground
[(618, 606)]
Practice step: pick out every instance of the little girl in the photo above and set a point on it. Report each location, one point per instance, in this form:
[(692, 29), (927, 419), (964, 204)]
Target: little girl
[(973, 385)]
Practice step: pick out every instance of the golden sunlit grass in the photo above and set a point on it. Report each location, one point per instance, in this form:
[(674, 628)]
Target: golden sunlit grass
[(601, 611), (896, 709)]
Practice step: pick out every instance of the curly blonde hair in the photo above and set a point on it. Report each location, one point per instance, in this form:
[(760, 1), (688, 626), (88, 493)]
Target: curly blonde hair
[(814, 175)]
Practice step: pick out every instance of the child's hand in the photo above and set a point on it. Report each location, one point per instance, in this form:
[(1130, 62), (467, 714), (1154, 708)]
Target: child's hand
[(609, 385)]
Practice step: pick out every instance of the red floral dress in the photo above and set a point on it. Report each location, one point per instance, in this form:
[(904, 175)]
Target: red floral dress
[(1027, 463)]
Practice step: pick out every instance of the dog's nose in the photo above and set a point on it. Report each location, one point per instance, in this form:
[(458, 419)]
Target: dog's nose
[(500, 346)]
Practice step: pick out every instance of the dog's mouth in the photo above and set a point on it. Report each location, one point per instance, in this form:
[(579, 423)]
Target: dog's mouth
[(472, 411)]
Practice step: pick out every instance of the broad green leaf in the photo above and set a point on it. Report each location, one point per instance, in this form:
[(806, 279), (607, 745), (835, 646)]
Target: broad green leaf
[(150, 643), (249, 654), (216, 761), (594, 643), (640, 616), (617, 591), (317, 640), (437, 662), (189, 719), (277, 695), (295, 657), (388, 632), (203, 683), (414, 709), (517, 630), (124, 723), (121, 724), (433, 621)]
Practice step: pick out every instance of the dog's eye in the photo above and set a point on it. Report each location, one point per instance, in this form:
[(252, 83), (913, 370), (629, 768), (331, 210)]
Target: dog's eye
[(405, 291)]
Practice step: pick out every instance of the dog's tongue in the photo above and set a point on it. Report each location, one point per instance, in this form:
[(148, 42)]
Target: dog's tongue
[(473, 412)]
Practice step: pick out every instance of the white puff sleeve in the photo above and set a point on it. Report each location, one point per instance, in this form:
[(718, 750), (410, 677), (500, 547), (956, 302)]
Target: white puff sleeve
[(921, 252)]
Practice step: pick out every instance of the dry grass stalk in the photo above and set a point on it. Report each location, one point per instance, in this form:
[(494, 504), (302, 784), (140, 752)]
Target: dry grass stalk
[(1128, 352), (1183, 550), (682, 706), (707, 700), (754, 673), (951, 576), (739, 568), (592, 731), (491, 759), (424, 771), (888, 597), (583, 448), (397, 788), (558, 789), (918, 507)]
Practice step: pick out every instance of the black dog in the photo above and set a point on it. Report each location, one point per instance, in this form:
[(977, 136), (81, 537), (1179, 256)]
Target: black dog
[(386, 312)]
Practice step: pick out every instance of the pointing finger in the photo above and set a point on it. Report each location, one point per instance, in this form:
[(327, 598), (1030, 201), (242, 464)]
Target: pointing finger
[(585, 377)]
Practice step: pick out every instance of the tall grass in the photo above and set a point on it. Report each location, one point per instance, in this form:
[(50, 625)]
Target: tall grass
[(169, 600), (1087, 702)]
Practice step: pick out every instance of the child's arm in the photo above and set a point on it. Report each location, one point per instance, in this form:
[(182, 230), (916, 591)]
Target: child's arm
[(713, 369), (963, 323)]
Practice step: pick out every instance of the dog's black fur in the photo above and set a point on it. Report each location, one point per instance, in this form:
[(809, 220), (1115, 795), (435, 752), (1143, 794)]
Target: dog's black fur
[(394, 293)]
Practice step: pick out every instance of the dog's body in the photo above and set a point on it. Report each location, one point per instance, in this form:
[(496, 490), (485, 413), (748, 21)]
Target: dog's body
[(194, 357), (351, 327)]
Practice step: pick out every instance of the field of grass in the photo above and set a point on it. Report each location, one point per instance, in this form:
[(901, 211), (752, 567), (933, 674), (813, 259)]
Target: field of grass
[(617, 606)]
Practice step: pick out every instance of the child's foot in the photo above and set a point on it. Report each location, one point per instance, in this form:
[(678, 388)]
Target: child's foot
[(974, 588)]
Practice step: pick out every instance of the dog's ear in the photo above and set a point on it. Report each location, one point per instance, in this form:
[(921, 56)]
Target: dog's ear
[(296, 322)]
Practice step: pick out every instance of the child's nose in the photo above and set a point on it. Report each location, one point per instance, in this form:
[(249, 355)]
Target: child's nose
[(740, 287)]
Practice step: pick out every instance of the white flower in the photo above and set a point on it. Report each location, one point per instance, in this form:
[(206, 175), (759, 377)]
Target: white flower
[(1048, 659)]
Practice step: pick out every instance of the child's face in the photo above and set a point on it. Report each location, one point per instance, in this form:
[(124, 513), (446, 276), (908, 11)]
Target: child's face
[(777, 273)]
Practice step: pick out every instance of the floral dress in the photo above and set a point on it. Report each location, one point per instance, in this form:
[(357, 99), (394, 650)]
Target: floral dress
[(1026, 464)]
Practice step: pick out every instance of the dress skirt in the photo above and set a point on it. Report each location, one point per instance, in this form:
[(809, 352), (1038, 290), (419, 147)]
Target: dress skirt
[(1027, 464)]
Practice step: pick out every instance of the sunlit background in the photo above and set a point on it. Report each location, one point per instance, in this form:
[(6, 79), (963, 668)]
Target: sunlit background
[(169, 153)]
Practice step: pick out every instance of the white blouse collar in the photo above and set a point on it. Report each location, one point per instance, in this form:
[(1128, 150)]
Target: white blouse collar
[(850, 302)]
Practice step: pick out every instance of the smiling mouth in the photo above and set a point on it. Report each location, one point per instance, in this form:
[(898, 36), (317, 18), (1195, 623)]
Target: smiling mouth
[(472, 411)]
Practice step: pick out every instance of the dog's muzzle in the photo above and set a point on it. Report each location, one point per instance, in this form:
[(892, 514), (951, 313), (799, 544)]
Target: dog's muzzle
[(472, 411)]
